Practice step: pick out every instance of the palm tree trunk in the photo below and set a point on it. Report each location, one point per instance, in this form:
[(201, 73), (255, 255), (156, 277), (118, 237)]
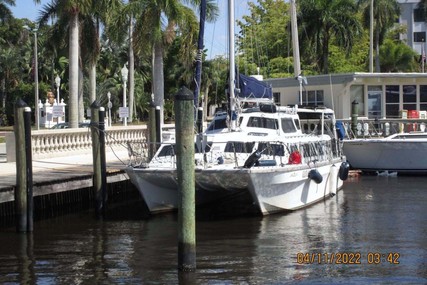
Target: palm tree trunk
[(377, 51), (131, 72), (92, 82), (81, 103), (73, 72), (158, 78)]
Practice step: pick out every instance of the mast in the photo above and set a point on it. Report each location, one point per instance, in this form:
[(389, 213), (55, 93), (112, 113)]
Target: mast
[(371, 38), (231, 86), (295, 49), (295, 42)]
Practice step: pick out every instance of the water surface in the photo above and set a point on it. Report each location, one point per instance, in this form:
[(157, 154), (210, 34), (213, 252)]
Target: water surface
[(372, 215)]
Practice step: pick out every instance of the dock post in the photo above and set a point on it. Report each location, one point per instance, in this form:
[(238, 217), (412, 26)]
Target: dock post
[(24, 177), (29, 166), (152, 131), (96, 156), (158, 126), (103, 159), (354, 115), (184, 132)]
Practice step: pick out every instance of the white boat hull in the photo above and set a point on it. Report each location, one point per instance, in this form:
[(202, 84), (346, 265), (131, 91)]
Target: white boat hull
[(387, 155), (273, 189)]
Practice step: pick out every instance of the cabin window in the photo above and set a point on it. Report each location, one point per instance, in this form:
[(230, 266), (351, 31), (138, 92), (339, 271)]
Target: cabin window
[(261, 122), (313, 98), (207, 148), (288, 125), (374, 101), (423, 97), (167, 150), (239, 147), (218, 124), (297, 124), (419, 15), (271, 149), (392, 101), (276, 96), (409, 97)]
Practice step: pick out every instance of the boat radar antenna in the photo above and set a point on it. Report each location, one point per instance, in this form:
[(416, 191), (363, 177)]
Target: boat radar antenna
[(302, 81)]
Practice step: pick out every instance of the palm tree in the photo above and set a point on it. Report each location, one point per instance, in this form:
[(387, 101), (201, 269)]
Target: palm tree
[(386, 12), (70, 11), (324, 21), (153, 14), (5, 12)]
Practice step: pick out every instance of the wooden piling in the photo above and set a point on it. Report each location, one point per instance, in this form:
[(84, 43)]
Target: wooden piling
[(184, 132), (354, 115), (158, 125), (103, 159), (21, 198), (96, 156), (152, 131), (29, 167)]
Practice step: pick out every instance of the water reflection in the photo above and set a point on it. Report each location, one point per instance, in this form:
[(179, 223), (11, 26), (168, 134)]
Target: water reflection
[(375, 214)]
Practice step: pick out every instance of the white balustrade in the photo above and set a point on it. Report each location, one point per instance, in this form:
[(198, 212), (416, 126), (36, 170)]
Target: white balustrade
[(63, 142)]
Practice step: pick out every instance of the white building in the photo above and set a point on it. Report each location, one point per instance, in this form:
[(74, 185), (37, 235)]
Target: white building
[(415, 21), (379, 95)]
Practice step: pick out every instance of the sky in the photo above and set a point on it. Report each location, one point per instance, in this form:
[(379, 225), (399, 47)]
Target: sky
[(215, 38)]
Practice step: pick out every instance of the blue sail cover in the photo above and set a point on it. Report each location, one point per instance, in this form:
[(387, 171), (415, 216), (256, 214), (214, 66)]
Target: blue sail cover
[(251, 87)]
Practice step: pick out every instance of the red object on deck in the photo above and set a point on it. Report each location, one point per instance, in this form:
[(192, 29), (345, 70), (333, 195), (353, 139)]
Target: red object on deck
[(413, 114), (295, 158)]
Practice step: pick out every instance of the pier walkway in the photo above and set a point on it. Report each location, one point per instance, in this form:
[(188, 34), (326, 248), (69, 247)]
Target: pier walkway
[(61, 173)]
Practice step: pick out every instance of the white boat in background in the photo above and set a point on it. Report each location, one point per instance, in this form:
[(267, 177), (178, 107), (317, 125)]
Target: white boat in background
[(268, 156), (400, 152), (284, 158)]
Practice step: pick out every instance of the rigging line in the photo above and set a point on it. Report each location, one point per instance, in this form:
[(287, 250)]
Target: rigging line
[(213, 35)]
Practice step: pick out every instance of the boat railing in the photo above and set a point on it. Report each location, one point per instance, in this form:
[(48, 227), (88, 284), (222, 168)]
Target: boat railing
[(310, 152), (375, 128)]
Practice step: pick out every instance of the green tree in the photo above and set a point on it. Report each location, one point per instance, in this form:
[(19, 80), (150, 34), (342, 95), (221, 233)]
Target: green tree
[(69, 11), (5, 12), (163, 17), (395, 56), (323, 22), (386, 14), (264, 35)]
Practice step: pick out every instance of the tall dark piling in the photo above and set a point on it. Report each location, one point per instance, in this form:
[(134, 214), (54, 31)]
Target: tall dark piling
[(96, 156), (103, 159), (354, 115), (29, 166), (184, 132), (24, 172), (158, 125), (152, 130)]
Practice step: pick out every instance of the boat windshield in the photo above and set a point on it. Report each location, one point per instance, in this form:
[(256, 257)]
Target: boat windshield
[(265, 123), (288, 125)]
